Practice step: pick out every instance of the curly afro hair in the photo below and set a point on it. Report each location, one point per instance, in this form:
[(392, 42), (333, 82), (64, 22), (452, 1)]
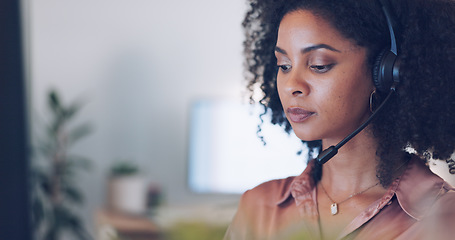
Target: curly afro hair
[(420, 116)]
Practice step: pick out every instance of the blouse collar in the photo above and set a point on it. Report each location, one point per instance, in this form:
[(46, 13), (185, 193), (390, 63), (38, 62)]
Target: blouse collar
[(416, 189)]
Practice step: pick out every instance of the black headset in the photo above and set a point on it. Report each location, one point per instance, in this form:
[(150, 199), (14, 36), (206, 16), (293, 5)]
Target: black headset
[(386, 71), (386, 68)]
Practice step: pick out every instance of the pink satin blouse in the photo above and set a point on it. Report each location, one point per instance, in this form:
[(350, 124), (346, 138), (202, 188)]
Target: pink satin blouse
[(417, 205)]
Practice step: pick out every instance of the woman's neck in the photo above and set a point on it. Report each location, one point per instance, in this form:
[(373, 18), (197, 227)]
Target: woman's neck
[(353, 168)]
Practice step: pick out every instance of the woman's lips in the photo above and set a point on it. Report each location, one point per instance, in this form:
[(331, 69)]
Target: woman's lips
[(298, 115)]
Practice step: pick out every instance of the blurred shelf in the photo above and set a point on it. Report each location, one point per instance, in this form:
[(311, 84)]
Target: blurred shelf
[(125, 226)]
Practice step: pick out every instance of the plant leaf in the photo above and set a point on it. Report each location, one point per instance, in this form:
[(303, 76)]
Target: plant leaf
[(69, 112), (54, 102), (79, 132), (72, 194)]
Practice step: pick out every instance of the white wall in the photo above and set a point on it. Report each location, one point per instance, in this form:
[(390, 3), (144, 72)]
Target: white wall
[(137, 64)]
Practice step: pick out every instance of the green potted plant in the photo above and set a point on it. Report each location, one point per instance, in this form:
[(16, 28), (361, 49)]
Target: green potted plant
[(55, 196), (127, 189)]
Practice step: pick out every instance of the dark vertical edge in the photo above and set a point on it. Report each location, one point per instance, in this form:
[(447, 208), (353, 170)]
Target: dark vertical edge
[(14, 167)]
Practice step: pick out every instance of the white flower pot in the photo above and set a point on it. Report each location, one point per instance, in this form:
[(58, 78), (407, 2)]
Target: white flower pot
[(128, 194)]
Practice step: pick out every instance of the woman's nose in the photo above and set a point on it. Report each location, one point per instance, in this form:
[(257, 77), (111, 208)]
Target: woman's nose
[(296, 85)]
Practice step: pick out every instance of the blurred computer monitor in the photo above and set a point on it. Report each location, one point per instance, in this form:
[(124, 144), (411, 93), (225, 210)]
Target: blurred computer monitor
[(227, 156)]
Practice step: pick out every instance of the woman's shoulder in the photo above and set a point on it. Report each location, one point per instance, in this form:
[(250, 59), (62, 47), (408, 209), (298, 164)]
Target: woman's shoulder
[(256, 216), (278, 191), (270, 192), (439, 220), (445, 203)]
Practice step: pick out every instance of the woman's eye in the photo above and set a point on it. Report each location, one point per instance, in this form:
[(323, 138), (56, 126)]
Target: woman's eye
[(284, 68), (321, 68)]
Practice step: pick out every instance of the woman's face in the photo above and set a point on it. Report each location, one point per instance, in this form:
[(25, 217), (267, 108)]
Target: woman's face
[(323, 80)]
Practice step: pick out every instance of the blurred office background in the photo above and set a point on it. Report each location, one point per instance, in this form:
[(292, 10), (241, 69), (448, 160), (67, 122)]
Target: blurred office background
[(161, 87)]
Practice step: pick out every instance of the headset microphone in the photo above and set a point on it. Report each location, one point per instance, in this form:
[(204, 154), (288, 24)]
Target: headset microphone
[(385, 78), (328, 153)]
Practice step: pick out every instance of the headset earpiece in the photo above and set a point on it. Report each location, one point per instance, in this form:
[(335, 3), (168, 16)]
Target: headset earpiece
[(378, 83), (385, 71), (386, 68)]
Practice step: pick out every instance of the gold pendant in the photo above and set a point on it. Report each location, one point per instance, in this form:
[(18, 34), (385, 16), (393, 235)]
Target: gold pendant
[(334, 208)]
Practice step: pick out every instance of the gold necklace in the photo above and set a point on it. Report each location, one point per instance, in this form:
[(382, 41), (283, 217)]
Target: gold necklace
[(334, 206)]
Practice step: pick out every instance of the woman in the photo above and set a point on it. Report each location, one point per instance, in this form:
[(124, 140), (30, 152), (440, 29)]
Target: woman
[(313, 60)]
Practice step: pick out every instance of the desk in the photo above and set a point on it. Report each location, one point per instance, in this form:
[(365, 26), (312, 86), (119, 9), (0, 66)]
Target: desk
[(127, 226)]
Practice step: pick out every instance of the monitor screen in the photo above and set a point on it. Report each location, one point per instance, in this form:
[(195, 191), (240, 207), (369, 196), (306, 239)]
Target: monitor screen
[(227, 156)]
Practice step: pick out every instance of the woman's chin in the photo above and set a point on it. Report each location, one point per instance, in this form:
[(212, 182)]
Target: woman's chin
[(305, 136)]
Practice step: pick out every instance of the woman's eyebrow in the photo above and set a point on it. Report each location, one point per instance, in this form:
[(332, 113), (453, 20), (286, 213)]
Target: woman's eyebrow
[(278, 49), (310, 48), (319, 46)]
